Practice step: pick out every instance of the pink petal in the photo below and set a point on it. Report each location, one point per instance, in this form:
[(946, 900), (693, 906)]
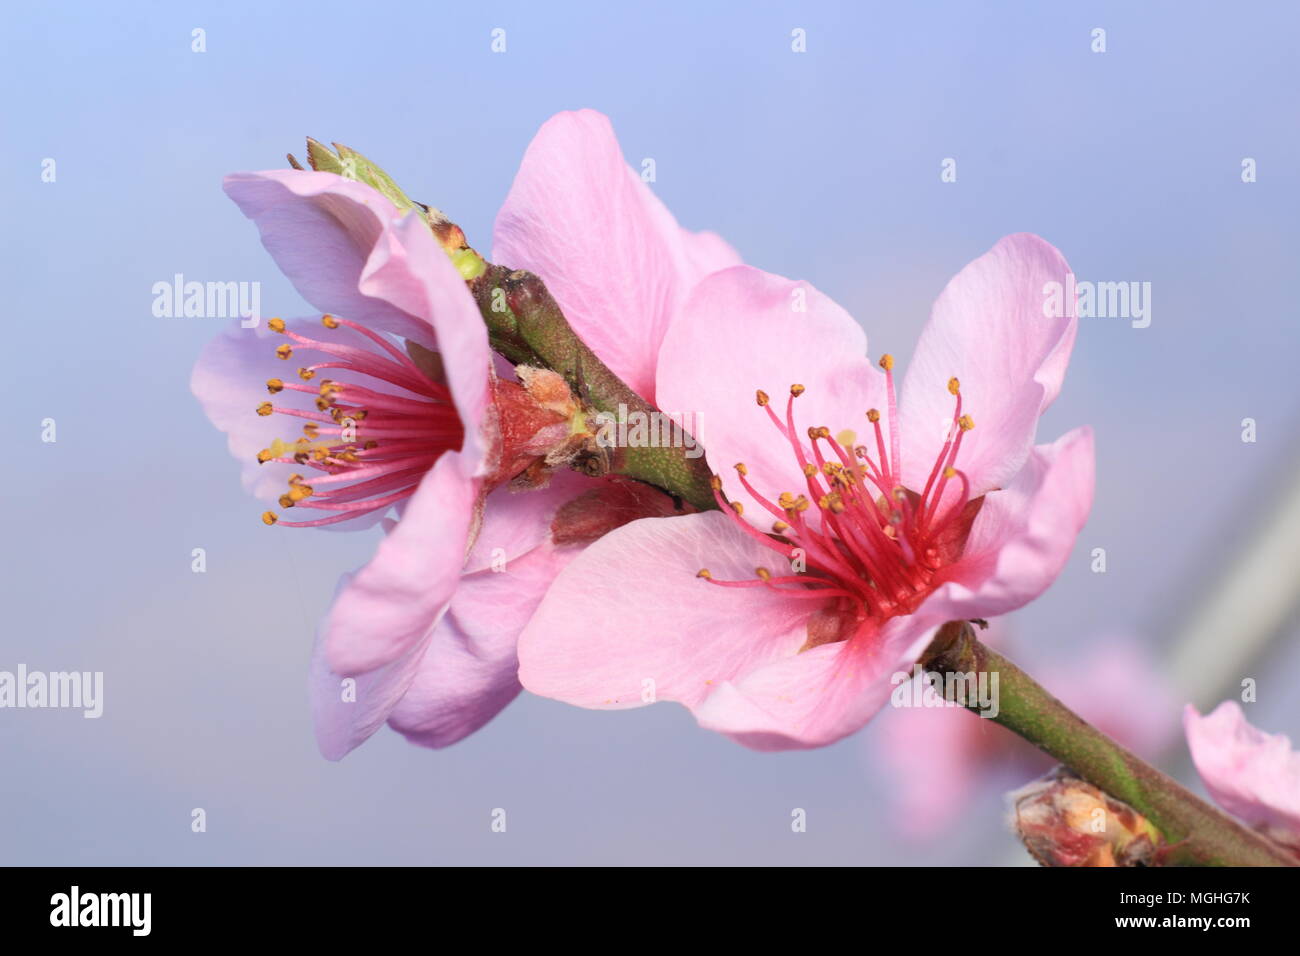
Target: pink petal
[(346, 715), (468, 672), (1023, 534), (988, 328), (322, 230), (749, 317), (816, 697), (1251, 774), (516, 522), (229, 381), (410, 270), (393, 602), (607, 249), (604, 637), (629, 609)]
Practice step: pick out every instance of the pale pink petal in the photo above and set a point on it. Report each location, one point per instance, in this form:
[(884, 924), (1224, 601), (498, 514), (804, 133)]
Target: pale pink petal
[(229, 380), (322, 230), (1023, 534), (1253, 775), (609, 252), (989, 329), (627, 622), (393, 602), (742, 330), (468, 672), (516, 522), (410, 270), (816, 697), (346, 711)]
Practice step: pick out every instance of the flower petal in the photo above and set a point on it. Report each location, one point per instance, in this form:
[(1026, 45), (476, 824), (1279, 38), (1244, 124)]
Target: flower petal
[(774, 333), (1023, 534), (816, 697), (627, 622), (396, 599), (322, 229), (1251, 774), (607, 249), (345, 715), (229, 380), (516, 522), (989, 328), (468, 672)]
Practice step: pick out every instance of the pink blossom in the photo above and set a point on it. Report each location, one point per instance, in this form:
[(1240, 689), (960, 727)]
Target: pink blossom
[(834, 560), (427, 628), (1251, 774)]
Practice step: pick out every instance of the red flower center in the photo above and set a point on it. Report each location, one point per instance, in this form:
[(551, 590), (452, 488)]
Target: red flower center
[(372, 442), (856, 538)]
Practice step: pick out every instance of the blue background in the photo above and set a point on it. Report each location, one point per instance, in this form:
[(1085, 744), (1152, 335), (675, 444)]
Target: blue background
[(822, 165)]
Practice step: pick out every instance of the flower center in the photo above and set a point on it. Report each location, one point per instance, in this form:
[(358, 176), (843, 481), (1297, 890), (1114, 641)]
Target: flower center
[(372, 442), (856, 538)]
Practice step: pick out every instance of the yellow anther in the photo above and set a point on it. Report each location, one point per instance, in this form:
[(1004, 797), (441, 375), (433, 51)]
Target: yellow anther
[(286, 501), (763, 573), (954, 386), (704, 573), (283, 351), (266, 408), (740, 467), (269, 518), (780, 527), (715, 482), (274, 385), (737, 507), (295, 478), (966, 423), (873, 415), (801, 503), (324, 403), (796, 390), (275, 325), (329, 321), (950, 472), (785, 500), (299, 492), (836, 503), (311, 430), (887, 362), (809, 470), (761, 396), (306, 374), (264, 456)]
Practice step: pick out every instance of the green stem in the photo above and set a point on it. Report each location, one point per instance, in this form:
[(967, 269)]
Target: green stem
[(1197, 833), (525, 324)]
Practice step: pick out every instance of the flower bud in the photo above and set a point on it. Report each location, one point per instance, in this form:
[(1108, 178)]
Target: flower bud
[(1066, 821)]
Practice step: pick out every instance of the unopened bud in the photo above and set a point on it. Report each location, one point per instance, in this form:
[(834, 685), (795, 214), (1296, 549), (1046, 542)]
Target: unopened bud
[(1066, 821)]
